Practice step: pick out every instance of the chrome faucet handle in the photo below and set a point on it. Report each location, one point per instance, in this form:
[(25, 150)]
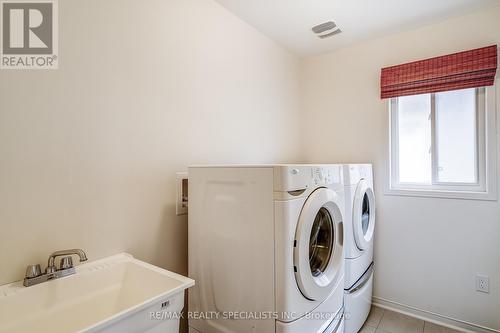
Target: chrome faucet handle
[(66, 262), (51, 267), (33, 271), (50, 270)]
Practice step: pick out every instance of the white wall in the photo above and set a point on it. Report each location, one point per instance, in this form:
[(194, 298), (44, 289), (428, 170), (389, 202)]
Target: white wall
[(427, 251), (88, 153)]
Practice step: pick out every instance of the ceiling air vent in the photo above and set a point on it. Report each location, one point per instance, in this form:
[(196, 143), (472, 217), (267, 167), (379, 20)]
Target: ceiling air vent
[(327, 29)]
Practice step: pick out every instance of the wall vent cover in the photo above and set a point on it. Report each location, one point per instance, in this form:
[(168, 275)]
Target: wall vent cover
[(327, 29)]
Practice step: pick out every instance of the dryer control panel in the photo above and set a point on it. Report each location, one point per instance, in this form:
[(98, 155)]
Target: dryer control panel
[(353, 173)]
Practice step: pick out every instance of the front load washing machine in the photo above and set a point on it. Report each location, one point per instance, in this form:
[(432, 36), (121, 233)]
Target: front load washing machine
[(359, 230), (266, 248)]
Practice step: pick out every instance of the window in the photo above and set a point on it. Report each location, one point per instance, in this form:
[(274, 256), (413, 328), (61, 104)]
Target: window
[(440, 146)]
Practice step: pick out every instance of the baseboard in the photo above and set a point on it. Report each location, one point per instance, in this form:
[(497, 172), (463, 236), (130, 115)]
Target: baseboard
[(432, 317)]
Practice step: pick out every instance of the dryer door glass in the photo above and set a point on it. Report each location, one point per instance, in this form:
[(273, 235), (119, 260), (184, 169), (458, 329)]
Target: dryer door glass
[(363, 218), (365, 214), (321, 242)]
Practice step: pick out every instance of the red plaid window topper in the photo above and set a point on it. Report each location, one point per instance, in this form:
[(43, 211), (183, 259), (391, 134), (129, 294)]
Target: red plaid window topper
[(469, 69)]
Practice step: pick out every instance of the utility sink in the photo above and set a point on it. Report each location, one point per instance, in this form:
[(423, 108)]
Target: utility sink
[(116, 294)]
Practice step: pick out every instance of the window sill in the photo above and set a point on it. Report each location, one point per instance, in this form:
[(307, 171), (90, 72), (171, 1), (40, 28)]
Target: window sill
[(465, 195)]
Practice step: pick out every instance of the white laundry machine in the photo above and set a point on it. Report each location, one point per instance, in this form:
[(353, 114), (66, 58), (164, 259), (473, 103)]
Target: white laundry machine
[(266, 249), (359, 228)]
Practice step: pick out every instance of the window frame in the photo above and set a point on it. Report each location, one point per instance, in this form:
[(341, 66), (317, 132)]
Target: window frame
[(485, 187)]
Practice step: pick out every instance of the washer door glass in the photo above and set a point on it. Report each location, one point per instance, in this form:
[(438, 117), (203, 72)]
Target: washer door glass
[(321, 242), (318, 245)]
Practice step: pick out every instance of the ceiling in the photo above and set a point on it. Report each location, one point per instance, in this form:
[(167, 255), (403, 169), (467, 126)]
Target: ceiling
[(289, 22)]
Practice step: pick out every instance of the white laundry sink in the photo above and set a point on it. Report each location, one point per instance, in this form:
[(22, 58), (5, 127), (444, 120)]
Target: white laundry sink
[(116, 294)]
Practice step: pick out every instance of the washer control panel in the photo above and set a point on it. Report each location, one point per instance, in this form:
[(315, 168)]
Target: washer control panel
[(301, 177), (325, 175)]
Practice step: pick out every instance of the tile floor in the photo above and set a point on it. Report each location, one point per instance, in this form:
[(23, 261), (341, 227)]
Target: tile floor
[(385, 321)]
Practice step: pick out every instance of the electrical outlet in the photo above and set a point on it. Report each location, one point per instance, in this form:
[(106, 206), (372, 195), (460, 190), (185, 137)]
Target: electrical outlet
[(483, 283), (181, 204)]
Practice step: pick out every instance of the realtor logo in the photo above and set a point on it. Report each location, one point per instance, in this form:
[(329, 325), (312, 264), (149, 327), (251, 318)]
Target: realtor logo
[(29, 34)]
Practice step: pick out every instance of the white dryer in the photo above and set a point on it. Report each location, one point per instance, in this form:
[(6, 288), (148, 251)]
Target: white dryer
[(266, 249), (359, 230)]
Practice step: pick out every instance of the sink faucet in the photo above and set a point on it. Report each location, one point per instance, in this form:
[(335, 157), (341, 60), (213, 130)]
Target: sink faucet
[(34, 274), (51, 267)]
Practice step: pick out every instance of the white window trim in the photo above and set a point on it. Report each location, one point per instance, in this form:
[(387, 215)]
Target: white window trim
[(485, 189)]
